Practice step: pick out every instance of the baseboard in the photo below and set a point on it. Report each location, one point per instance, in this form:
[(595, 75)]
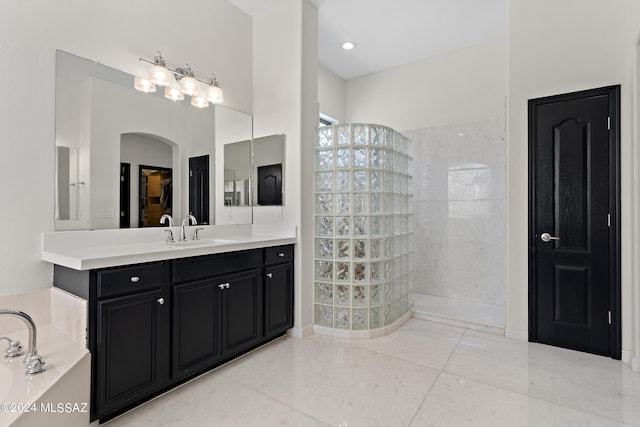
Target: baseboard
[(635, 364), (357, 335), (626, 357), (300, 333), (516, 335)]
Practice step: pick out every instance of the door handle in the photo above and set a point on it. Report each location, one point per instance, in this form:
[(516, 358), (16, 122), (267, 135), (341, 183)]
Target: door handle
[(546, 237)]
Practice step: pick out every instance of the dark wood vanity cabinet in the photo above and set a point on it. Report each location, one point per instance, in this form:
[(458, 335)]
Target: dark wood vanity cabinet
[(153, 326)]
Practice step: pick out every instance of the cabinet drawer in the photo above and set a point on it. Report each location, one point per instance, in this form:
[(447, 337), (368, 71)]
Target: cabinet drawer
[(278, 254), (128, 279), (214, 265)]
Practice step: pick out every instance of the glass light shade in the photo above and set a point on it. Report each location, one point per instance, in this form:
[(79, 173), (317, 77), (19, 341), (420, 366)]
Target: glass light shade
[(143, 85), (173, 93), (189, 86), (199, 101), (160, 75), (214, 94)]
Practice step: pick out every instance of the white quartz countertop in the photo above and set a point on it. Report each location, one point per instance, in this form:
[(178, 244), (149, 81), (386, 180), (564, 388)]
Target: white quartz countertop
[(86, 250)]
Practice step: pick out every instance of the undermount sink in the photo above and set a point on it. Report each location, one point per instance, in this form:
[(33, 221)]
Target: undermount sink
[(199, 242)]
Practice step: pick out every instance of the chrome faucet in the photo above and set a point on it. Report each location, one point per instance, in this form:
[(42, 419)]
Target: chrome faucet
[(165, 217), (185, 221), (33, 362)]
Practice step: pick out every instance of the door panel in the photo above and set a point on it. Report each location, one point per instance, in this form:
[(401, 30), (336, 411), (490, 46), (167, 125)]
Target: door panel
[(572, 192), (199, 188)]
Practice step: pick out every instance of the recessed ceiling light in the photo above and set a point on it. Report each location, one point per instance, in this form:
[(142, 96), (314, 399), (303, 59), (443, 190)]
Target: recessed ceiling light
[(348, 45)]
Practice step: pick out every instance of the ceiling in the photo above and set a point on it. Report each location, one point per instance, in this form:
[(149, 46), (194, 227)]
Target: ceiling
[(389, 33)]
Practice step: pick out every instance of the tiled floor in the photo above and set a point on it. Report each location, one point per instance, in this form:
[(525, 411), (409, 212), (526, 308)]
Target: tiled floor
[(423, 374)]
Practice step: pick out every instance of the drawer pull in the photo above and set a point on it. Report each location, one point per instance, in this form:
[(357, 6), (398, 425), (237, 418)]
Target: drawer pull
[(281, 254), (161, 301), (135, 279), (270, 275)]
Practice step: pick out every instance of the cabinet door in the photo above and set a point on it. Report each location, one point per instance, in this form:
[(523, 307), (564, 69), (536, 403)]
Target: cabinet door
[(128, 349), (278, 299), (241, 312), (195, 326)]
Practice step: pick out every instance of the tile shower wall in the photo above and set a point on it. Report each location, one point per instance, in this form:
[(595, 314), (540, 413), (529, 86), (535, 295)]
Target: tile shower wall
[(459, 206), (363, 227)]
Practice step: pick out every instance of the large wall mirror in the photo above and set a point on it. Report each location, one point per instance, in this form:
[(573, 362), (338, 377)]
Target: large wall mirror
[(106, 131), (268, 164)]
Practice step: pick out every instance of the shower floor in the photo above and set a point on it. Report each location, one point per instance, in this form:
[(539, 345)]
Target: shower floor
[(468, 314)]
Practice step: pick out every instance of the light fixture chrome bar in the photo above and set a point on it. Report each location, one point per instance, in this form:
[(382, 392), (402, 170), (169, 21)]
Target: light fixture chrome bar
[(180, 72)]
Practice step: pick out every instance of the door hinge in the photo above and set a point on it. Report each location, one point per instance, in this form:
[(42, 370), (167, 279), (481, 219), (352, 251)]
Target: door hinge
[(609, 316), (608, 220), (609, 123)]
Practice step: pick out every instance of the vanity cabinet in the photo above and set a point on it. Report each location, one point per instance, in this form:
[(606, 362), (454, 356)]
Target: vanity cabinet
[(278, 290), (153, 326)]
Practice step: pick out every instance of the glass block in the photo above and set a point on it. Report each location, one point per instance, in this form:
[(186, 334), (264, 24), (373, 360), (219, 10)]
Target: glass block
[(343, 203), (324, 203), (377, 158), (342, 271), (360, 203), (387, 314), (344, 158), (360, 225), (342, 226), (342, 295), (376, 135), (387, 182), (359, 249), (342, 318), (359, 319), (344, 135), (360, 158), (376, 203), (324, 248), (376, 180), (324, 315), (359, 295), (374, 291), (376, 248), (324, 270), (374, 314), (360, 180), (376, 271), (325, 137), (324, 181), (374, 221), (388, 228), (324, 226), (343, 249), (324, 159), (387, 202), (359, 272), (388, 270), (324, 293), (360, 134), (343, 181)]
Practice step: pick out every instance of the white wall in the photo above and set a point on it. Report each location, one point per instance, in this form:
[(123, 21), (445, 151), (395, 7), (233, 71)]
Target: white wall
[(634, 35), (216, 39), (331, 92), (458, 87), (557, 47), (285, 101)]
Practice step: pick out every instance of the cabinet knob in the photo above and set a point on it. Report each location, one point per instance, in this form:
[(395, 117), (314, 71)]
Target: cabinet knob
[(281, 254), (161, 301), (135, 279), (269, 275), (226, 285), (221, 286)]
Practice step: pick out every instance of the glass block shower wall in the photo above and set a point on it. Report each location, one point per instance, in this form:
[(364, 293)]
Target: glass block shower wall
[(363, 226)]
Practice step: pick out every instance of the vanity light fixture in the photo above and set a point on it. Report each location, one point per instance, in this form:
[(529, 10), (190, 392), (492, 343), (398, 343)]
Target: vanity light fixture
[(179, 82)]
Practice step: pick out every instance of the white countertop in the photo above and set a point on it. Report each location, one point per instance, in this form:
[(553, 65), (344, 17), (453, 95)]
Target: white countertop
[(89, 249)]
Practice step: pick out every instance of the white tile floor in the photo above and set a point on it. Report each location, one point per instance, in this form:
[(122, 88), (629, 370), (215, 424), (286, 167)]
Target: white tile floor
[(423, 374)]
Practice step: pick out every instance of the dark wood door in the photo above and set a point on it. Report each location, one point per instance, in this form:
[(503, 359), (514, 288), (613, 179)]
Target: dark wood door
[(128, 349), (195, 326), (574, 285), (278, 299), (241, 312), (125, 195), (270, 185), (199, 188)]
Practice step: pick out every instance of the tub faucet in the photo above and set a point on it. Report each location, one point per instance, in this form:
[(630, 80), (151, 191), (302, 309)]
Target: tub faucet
[(185, 221), (33, 362)]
